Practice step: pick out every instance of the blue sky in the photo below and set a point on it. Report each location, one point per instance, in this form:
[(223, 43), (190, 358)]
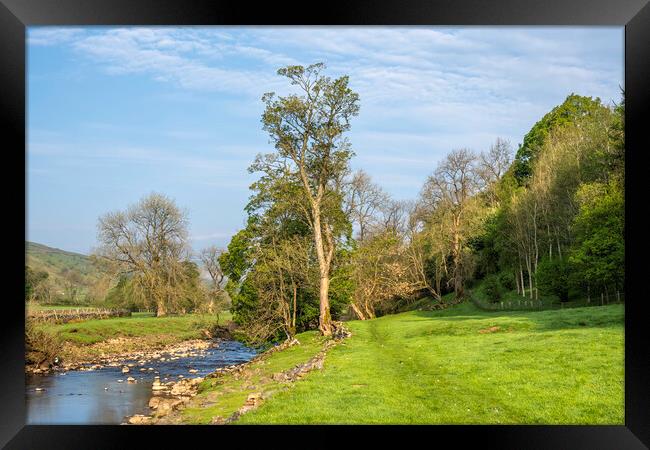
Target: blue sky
[(116, 113)]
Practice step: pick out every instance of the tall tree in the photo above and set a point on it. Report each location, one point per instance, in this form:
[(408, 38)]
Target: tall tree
[(307, 130)]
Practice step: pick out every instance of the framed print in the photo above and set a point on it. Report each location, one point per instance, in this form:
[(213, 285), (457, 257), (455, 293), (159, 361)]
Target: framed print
[(407, 215)]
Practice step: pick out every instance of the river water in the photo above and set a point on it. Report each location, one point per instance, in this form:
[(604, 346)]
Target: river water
[(97, 397)]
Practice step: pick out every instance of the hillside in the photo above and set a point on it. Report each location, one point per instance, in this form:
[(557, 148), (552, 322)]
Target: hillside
[(64, 268)]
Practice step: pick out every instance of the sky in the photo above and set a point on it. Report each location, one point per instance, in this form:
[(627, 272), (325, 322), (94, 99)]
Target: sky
[(117, 113)]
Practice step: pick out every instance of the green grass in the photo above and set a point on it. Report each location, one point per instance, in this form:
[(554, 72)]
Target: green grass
[(545, 367), (176, 328)]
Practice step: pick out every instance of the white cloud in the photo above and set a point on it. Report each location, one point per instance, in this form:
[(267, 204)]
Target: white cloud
[(46, 36)]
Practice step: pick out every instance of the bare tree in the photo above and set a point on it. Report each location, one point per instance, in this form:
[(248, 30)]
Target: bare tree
[(210, 258), (148, 241), (494, 163), (364, 199), (451, 188)]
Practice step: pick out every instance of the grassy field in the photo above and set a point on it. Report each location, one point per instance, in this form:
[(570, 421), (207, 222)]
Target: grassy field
[(457, 366), (140, 324)]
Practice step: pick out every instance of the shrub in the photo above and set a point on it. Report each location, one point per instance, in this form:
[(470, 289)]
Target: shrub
[(41, 347), (552, 277), (492, 288), (507, 280)]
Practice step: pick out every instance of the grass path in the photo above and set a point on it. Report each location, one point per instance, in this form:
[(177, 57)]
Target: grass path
[(454, 367)]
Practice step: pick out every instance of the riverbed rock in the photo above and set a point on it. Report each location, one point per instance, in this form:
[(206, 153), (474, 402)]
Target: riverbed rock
[(166, 405), (158, 386), (131, 380), (139, 419), (125, 369)]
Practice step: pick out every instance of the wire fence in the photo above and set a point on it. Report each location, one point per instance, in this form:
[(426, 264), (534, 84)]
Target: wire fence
[(527, 304)]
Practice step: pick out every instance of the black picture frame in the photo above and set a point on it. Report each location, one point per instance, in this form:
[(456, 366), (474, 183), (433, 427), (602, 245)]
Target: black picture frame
[(15, 15)]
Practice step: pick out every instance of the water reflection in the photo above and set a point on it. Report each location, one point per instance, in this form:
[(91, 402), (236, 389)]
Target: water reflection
[(96, 397)]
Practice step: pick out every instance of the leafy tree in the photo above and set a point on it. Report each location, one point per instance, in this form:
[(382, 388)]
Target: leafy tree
[(552, 277), (307, 131), (573, 108), (599, 250)]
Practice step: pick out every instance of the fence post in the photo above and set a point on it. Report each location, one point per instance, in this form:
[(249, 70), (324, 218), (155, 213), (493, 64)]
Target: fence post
[(618, 297), (602, 299)]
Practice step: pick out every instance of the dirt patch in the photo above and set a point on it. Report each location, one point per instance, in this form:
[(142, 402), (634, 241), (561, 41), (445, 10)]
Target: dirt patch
[(489, 330)]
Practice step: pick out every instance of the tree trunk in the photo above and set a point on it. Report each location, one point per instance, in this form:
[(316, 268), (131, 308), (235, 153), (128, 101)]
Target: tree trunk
[(324, 320), (458, 276), (295, 301), (517, 283), (358, 311), (160, 308)]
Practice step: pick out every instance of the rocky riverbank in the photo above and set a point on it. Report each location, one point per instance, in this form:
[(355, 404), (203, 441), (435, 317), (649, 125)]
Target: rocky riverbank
[(115, 351), (169, 399), (108, 354)]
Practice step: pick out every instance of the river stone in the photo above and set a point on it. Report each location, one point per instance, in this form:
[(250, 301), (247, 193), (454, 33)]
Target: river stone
[(125, 369), (154, 402), (157, 386), (166, 405), (139, 419)]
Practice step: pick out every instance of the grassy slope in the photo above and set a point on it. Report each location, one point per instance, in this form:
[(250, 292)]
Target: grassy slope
[(56, 261), (435, 367)]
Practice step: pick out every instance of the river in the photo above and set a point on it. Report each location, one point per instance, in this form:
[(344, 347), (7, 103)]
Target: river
[(97, 397)]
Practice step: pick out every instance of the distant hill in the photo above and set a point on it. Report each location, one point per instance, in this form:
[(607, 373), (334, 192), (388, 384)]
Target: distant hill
[(63, 267)]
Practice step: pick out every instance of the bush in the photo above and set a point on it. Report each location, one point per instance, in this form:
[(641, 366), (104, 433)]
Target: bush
[(41, 347), (507, 280), (492, 288), (552, 277)]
